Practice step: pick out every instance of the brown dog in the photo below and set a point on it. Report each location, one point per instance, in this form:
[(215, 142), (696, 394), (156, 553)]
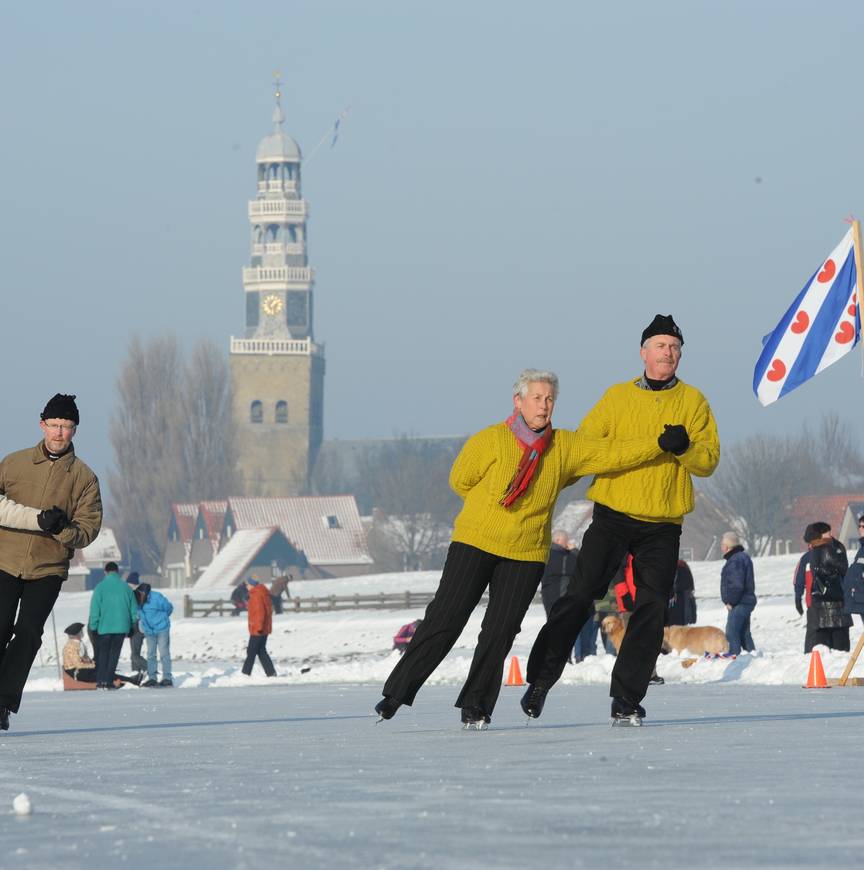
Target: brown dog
[(695, 639), (614, 628)]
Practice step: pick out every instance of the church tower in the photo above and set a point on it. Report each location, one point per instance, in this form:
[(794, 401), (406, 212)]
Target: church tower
[(277, 370)]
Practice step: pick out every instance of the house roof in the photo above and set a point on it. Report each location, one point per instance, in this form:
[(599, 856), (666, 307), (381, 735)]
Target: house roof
[(213, 515), (231, 562), (822, 508), (103, 549), (185, 514), (326, 528)]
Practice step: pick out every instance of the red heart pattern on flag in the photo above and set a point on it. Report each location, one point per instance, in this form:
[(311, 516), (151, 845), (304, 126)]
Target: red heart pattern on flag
[(802, 321), (777, 372), (846, 333), (827, 273)]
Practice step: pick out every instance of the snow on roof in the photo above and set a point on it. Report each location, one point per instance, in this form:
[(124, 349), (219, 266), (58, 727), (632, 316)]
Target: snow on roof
[(233, 559), (103, 549), (326, 528)]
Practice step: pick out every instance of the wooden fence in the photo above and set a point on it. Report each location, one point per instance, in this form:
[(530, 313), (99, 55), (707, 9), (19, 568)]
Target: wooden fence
[(376, 601)]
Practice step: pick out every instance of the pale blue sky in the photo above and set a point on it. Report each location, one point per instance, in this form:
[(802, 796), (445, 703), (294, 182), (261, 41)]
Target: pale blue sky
[(517, 184)]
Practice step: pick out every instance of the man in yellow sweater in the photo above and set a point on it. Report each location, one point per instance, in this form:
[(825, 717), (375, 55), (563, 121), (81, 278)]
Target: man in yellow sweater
[(509, 476), (640, 511)]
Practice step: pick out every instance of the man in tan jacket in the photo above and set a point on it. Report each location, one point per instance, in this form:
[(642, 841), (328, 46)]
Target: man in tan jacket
[(33, 565)]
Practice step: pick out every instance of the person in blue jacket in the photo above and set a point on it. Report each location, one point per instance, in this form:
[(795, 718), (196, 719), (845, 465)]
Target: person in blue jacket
[(738, 593), (154, 619), (853, 582)]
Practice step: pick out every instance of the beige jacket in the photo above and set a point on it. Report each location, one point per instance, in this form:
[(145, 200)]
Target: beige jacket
[(30, 478), (72, 658), (17, 516)]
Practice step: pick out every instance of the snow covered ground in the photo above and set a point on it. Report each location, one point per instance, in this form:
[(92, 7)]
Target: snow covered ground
[(355, 646), (721, 775), (735, 766)]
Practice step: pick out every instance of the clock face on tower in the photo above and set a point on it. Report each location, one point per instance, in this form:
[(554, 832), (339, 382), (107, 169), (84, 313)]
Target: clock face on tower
[(272, 305)]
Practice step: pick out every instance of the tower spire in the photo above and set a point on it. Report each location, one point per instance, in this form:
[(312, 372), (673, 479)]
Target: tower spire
[(278, 117)]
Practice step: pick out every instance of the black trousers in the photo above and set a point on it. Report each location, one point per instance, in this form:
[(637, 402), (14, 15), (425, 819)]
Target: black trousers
[(468, 571), (107, 655), (24, 608), (257, 647), (83, 675), (655, 560)]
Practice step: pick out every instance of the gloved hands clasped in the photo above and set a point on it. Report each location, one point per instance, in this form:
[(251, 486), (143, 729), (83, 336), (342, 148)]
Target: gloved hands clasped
[(53, 520), (674, 439)]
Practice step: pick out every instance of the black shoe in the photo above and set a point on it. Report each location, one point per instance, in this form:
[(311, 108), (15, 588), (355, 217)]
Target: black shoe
[(149, 684), (474, 717), (166, 683), (626, 712), (386, 708), (533, 700), (4, 719), (656, 680)]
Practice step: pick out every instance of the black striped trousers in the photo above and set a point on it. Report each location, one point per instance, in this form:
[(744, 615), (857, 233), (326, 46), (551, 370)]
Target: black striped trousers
[(468, 571)]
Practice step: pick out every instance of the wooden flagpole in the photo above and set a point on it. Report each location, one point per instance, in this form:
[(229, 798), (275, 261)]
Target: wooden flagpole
[(859, 277), (859, 297)]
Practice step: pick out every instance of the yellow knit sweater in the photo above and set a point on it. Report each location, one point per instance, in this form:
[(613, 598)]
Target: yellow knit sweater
[(660, 490), (486, 464)]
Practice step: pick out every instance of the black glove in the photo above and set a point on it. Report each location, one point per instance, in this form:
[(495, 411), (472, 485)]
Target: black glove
[(674, 439), (53, 521), (798, 607)]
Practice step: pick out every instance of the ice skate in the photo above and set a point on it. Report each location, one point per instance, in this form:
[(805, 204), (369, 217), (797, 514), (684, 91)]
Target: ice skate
[(533, 700), (474, 719), (386, 708), (4, 719), (626, 713)]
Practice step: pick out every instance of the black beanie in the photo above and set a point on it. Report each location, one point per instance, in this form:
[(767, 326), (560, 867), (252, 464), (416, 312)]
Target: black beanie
[(61, 407), (662, 324)]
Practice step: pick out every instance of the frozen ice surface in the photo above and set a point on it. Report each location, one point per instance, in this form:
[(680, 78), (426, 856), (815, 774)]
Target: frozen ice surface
[(721, 775)]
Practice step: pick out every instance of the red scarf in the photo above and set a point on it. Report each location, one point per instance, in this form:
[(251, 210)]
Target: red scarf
[(533, 445)]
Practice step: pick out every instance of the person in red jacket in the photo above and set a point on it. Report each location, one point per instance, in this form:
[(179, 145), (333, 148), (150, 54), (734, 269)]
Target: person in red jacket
[(260, 615)]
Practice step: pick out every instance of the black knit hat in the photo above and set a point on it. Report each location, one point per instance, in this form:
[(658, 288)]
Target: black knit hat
[(75, 628), (662, 324), (61, 407)]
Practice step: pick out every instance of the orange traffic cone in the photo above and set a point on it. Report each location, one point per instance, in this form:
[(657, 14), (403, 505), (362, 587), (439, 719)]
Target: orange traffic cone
[(816, 676), (514, 678)]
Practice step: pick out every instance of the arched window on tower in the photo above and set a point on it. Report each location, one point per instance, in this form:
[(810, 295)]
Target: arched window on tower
[(256, 412), (281, 412)]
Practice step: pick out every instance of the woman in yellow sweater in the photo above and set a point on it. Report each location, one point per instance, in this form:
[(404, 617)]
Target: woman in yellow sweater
[(509, 476)]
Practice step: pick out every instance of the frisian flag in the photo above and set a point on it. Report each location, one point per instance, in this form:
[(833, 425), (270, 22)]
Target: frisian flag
[(820, 326)]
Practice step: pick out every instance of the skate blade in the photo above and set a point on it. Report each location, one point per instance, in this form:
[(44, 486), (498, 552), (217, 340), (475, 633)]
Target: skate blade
[(629, 722), (474, 726)]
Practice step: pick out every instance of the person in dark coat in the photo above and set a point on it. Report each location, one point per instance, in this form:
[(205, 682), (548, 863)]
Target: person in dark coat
[(738, 593), (559, 569), (853, 582), (819, 582), (240, 599), (682, 604)]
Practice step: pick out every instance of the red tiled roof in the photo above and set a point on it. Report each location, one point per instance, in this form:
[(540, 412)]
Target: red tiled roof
[(822, 509), (304, 521), (213, 514), (185, 514)]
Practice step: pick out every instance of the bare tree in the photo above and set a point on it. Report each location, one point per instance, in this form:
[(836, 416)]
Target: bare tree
[(404, 482), (760, 477), (173, 439), (209, 438)]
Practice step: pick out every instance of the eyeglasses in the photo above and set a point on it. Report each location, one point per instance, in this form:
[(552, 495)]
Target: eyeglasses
[(59, 427)]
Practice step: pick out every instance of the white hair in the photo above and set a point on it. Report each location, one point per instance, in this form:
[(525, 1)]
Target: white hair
[(731, 538), (530, 376)]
